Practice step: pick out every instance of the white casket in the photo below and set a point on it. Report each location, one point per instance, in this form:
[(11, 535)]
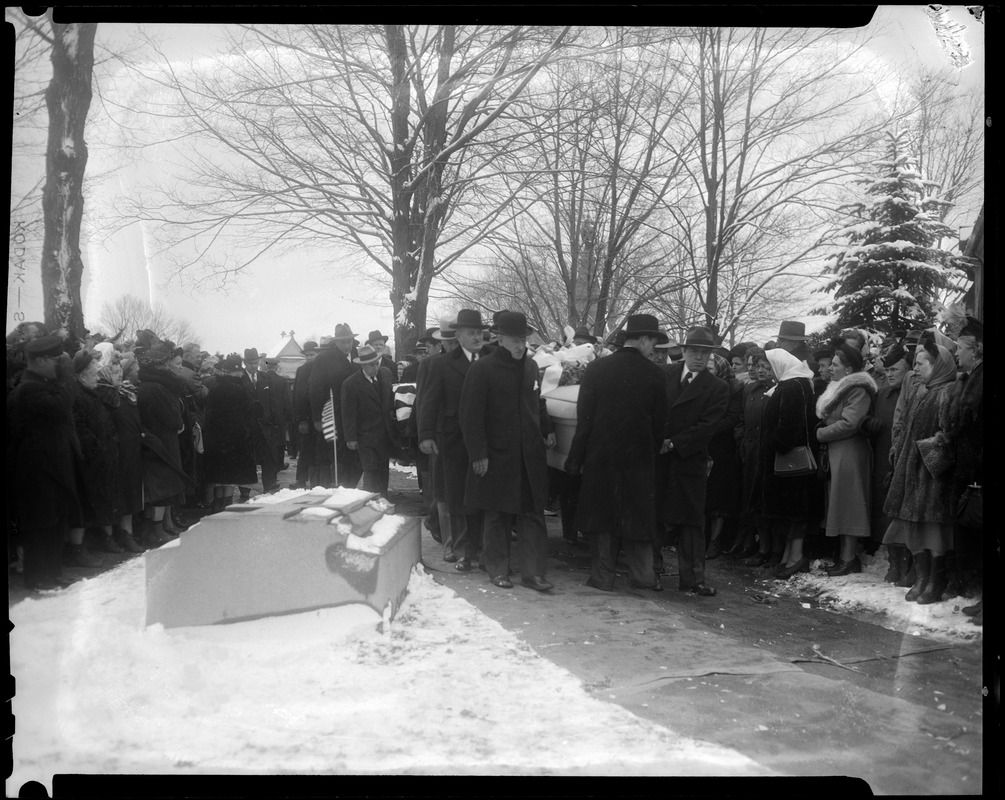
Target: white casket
[(561, 403)]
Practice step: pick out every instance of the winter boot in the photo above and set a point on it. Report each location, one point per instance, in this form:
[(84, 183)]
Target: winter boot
[(152, 534), (895, 556), (936, 585), (126, 541), (109, 544), (923, 568), (909, 574), (76, 555), (954, 576)]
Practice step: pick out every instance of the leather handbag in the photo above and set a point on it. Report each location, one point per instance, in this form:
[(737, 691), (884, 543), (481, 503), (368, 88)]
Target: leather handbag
[(799, 461)]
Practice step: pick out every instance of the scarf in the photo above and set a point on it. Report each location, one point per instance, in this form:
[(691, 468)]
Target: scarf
[(786, 367), (943, 368)]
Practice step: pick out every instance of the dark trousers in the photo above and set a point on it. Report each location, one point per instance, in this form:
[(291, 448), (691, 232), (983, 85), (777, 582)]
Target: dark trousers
[(604, 549), (305, 456), (462, 532), (376, 480), (691, 554), (566, 488), (270, 470), (531, 538), (43, 551)]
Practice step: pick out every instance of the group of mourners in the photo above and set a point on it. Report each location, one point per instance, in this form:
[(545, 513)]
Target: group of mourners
[(776, 455)]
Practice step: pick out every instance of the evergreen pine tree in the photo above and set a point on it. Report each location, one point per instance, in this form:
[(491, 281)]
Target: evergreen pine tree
[(890, 275)]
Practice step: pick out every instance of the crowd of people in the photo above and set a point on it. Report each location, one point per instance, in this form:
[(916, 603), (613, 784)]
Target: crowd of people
[(775, 455)]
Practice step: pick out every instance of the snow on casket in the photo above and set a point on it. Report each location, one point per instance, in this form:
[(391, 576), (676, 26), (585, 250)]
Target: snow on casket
[(310, 551)]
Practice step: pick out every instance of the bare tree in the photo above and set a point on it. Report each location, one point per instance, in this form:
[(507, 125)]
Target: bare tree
[(379, 138), (128, 314)]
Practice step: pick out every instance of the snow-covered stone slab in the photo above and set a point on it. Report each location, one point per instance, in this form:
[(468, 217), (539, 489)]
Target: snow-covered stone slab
[(257, 560)]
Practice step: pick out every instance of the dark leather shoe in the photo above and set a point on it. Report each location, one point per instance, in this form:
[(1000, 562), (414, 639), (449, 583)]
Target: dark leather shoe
[(590, 582), (802, 565), (450, 558), (700, 589), (502, 582), (714, 549), (656, 587), (537, 583), (463, 565), (757, 560), (974, 610), (845, 568)]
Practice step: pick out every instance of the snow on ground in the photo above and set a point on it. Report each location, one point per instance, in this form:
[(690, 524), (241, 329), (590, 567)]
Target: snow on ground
[(412, 470), (867, 592), (446, 690)]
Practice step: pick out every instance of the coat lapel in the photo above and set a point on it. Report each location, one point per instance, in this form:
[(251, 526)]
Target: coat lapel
[(694, 389)]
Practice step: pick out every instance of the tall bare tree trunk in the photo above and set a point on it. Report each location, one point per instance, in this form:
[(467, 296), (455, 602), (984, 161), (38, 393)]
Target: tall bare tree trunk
[(67, 99)]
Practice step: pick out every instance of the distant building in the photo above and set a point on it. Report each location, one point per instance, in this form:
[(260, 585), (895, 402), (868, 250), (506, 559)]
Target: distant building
[(290, 355)]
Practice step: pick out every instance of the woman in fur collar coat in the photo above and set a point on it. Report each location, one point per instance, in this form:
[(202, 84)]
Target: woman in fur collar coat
[(842, 408)]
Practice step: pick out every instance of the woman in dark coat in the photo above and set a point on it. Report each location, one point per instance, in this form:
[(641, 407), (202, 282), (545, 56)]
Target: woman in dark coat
[(99, 452), (748, 434), (921, 501), (118, 393), (790, 504), (229, 434), (159, 399), (722, 489)]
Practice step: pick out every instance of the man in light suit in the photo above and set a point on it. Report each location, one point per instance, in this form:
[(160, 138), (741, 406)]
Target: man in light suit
[(368, 418), (697, 401)]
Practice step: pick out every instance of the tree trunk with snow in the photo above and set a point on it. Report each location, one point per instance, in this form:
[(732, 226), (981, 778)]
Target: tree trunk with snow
[(67, 99)]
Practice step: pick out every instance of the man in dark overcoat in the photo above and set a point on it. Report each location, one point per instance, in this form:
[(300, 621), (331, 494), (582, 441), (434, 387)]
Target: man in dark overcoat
[(368, 418), (378, 341), (506, 430), (621, 416), (268, 393), (696, 401), (44, 467), (330, 370), (440, 435), (306, 470)]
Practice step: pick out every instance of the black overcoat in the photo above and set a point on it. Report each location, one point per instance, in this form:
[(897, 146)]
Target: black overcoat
[(789, 413), (693, 415), (271, 412), (230, 434), (368, 418), (99, 450), (439, 419), (331, 368), (749, 436), (503, 420), (44, 471), (159, 398), (129, 430), (723, 492), (621, 416)]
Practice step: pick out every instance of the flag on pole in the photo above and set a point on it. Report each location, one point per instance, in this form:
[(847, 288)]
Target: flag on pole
[(328, 420)]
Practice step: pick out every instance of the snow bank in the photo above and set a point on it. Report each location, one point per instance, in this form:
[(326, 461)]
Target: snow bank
[(444, 689)]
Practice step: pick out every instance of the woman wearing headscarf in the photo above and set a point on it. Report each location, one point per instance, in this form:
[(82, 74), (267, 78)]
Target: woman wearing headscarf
[(845, 404), (789, 503), (921, 501), (722, 489), (118, 393), (159, 399), (99, 452)]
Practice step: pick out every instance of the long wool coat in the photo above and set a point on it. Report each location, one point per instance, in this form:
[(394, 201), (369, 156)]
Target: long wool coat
[(439, 419), (723, 491), (368, 418), (503, 420), (271, 393), (749, 449), (882, 444), (842, 408), (916, 493), (44, 481), (129, 433), (331, 368), (621, 417), (229, 435), (159, 398), (789, 419), (99, 449), (694, 413)]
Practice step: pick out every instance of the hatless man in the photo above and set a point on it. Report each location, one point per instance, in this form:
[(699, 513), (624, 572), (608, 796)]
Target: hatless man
[(368, 418), (330, 370), (506, 431)]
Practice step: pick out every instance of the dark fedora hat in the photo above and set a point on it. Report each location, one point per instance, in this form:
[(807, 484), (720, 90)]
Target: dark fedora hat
[(50, 346), (582, 332), (469, 318), (643, 325), (343, 332), (366, 355), (700, 337), (791, 329), (374, 336), (428, 337), (250, 354), (309, 346), (512, 323)]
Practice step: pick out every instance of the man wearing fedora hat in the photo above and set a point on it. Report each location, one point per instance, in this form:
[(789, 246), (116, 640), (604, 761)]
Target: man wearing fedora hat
[(306, 471), (582, 335), (506, 430), (792, 338), (268, 391), (697, 401), (368, 418), (378, 342), (621, 416), (439, 433), (331, 367)]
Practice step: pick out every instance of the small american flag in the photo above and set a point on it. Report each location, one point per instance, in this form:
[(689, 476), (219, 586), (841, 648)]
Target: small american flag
[(328, 420)]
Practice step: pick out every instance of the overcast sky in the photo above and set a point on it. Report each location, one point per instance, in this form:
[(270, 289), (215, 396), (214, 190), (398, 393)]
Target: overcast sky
[(312, 291)]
